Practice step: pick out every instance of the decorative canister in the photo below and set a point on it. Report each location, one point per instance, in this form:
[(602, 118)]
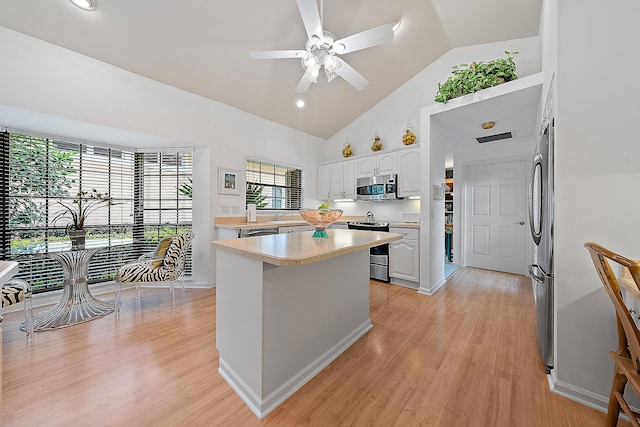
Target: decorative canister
[(376, 145), (409, 136)]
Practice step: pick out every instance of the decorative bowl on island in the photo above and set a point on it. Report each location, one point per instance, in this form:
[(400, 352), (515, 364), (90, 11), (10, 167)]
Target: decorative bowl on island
[(320, 219)]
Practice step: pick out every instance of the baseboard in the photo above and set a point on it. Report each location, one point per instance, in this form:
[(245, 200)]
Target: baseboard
[(577, 394), (403, 282), (429, 292), (52, 297), (262, 407)]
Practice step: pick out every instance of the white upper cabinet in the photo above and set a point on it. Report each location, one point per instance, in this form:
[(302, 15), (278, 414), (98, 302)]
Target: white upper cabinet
[(367, 166), (387, 163), (380, 164), (343, 179), (324, 182), (409, 172)]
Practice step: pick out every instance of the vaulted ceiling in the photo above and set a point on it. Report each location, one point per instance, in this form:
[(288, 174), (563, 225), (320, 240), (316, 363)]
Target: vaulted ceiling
[(202, 46)]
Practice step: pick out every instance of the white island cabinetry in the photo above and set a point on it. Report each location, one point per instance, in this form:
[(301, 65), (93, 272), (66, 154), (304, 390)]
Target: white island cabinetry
[(286, 306), (404, 258)]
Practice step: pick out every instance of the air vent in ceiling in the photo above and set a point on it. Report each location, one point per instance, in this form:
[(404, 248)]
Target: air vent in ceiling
[(496, 137)]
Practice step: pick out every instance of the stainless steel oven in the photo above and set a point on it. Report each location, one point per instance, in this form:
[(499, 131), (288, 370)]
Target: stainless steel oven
[(378, 255)]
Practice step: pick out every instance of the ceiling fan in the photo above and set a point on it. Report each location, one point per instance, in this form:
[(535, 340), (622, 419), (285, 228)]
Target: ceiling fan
[(322, 49)]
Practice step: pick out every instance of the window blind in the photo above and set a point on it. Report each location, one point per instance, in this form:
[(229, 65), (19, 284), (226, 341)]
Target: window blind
[(273, 186), (38, 175)]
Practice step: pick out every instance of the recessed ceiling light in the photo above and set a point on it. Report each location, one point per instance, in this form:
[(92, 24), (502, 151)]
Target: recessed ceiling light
[(86, 4), (395, 25), (488, 125), (299, 103)]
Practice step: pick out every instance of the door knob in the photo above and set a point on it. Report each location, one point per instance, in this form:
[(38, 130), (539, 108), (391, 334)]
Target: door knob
[(520, 223)]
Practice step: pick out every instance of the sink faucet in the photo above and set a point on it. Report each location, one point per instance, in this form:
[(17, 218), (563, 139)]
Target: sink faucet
[(279, 215), (370, 217)]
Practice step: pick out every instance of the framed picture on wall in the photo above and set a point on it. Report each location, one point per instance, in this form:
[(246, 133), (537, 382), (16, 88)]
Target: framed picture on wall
[(228, 181)]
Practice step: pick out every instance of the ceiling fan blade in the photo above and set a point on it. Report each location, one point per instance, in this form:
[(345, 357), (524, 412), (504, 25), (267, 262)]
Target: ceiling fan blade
[(369, 38), (348, 73), (277, 54), (304, 83), (311, 20)]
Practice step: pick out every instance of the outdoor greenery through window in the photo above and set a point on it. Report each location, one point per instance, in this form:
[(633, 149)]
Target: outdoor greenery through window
[(273, 186), (39, 176)]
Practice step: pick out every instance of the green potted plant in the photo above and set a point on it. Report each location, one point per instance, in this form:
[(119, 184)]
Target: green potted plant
[(477, 76), (254, 195), (77, 211)]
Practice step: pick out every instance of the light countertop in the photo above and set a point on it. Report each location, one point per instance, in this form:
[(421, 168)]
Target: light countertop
[(300, 248), (294, 222), (8, 269)]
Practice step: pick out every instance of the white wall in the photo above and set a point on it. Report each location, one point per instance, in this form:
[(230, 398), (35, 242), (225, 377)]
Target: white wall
[(390, 116), (597, 178), (46, 88)]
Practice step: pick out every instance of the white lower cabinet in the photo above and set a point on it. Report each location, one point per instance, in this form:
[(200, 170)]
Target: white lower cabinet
[(295, 229), (404, 258)]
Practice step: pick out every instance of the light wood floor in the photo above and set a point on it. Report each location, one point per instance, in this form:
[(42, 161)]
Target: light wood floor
[(466, 356)]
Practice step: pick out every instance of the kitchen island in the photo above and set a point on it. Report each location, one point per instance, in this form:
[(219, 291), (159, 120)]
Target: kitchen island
[(286, 306)]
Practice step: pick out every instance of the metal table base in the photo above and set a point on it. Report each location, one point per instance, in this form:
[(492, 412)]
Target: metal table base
[(76, 304)]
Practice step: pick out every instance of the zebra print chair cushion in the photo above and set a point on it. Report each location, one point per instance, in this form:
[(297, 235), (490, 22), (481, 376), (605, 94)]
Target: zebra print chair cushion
[(14, 291), (169, 267), (12, 294)]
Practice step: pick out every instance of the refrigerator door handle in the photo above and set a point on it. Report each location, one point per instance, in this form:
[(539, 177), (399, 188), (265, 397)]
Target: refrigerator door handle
[(537, 277)]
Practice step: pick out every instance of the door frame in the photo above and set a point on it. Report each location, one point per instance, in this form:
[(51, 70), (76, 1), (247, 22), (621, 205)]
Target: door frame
[(460, 176)]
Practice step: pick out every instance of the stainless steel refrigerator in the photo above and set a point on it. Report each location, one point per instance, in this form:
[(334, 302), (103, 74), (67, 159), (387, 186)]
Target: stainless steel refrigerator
[(541, 210)]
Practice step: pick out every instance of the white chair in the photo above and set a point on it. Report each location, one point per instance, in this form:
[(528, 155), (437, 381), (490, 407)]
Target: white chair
[(165, 264)]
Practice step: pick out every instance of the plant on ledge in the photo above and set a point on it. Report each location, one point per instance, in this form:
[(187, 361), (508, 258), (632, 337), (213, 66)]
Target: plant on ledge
[(481, 75), (84, 203)]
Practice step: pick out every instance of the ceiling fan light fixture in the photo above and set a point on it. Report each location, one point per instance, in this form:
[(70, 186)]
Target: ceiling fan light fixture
[(330, 74), (330, 63), (88, 5)]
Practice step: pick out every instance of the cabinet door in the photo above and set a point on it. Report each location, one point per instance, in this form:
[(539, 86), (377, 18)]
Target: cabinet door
[(404, 262), (409, 173), (324, 182), (350, 175), (337, 180), (295, 229), (367, 166), (387, 163)]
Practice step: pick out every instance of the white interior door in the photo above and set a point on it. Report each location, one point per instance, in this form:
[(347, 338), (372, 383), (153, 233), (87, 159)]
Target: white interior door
[(495, 216)]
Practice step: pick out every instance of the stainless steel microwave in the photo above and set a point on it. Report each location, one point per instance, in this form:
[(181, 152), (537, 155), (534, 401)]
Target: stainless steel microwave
[(380, 187)]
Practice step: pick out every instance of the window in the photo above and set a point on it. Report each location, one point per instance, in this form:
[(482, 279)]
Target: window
[(273, 186), (36, 174)]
